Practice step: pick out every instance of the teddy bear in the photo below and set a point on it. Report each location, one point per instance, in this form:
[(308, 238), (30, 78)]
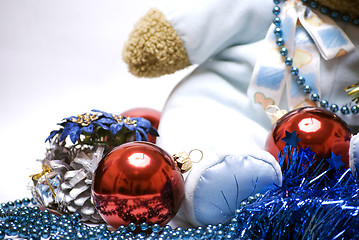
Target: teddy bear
[(245, 55)]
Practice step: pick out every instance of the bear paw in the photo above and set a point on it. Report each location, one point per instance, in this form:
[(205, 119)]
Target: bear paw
[(224, 185)]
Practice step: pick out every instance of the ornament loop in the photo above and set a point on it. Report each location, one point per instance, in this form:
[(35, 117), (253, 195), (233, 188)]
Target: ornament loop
[(183, 160), (197, 150), (274, 113)]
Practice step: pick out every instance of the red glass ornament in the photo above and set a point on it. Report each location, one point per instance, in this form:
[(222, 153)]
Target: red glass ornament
[(321, 130), (137, 182), (151, 115)]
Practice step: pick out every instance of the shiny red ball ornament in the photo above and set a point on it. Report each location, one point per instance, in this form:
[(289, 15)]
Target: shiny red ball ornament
[(321, 130), (151, 115), (137, 182)]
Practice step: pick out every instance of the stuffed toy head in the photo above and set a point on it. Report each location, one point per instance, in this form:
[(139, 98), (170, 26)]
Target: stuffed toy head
[(247, 54)]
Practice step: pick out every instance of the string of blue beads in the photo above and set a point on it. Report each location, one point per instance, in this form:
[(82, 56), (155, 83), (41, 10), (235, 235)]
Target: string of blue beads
[(23, 219), (295, 71), (332, 13)]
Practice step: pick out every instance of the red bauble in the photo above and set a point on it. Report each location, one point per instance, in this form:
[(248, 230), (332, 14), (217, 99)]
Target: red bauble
[(137, 182), (151, 115), (321, 130)]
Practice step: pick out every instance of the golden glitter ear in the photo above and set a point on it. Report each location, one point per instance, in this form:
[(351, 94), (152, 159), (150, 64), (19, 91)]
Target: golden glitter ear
[(353, 92), (183, 160)]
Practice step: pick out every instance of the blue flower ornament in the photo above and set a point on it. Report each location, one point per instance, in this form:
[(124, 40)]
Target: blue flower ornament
[(103, 128)]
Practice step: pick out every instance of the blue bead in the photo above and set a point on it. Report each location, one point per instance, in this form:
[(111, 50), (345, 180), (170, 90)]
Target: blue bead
[(34, 232), (305, 1), (33, 201), (315, 97), (45, 233), (346, 18), (288, 61), (122, 229), (2, 234), (276, 2), (35, 209), (324, 103), (301, 80), (283, 51), (278, 31), (23, 232), (18, 203), (167, 228), (345, 110), (313, 4), (131, 226), (144, 226), (356, 21), (276, 10), (277, 21), (294, 71), (220, 233), (324, 10), (229, 236), (155, 228), (10, 204), (354, 109), (334, 108), (307, 89), (26, 201), (237, 212), (13, 230), (280, 42), (334, 14), (4, 206)]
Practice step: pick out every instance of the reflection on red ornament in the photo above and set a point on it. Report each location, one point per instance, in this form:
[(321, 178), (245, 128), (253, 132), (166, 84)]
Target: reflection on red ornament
[(309, 125), (137, 182), (151, 115), (321, 130)]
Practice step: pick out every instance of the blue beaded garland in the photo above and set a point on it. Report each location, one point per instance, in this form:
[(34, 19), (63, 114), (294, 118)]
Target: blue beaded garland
[(288, 61)]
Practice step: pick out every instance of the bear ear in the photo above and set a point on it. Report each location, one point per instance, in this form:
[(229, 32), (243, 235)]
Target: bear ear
[(154, 48)]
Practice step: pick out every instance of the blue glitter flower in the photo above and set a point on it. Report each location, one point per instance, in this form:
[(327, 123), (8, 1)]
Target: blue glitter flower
[(138, 125), (103, 128), (74, 126)]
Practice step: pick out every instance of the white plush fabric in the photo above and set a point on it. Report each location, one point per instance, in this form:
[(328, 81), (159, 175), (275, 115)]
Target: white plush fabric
[(209, 110)]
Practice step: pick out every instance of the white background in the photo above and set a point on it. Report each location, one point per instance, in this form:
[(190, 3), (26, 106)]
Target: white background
[(58, 59)]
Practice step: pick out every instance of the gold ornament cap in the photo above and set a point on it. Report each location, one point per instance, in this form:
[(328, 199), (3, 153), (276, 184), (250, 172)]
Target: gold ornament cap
[(184, 162)]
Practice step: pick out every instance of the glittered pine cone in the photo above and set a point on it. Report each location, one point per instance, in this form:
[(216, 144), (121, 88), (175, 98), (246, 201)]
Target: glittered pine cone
[(65, 184)]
